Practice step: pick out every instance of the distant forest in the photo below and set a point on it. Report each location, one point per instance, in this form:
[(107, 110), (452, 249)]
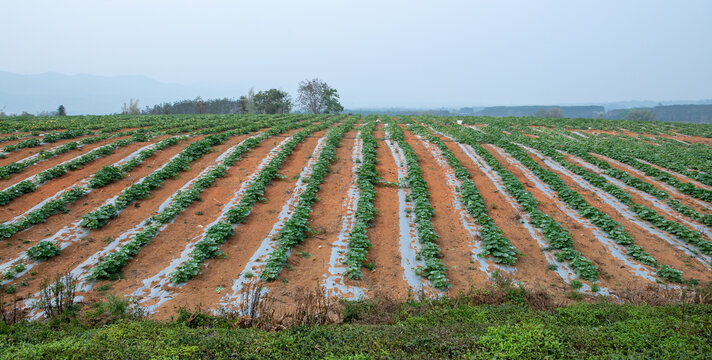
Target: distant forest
[(700, 114), (199, 106), (566, 111), (672, 113)]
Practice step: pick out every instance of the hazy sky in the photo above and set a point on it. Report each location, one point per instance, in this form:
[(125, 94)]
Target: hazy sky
[(380, 53)]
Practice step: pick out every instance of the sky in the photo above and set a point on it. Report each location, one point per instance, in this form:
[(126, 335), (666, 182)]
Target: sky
[(379, 53)]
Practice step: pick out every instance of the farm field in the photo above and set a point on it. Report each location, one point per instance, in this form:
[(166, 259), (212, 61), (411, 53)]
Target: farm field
[(191, 210)]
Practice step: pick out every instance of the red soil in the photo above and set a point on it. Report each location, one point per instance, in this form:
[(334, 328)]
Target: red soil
[(685, 199), (613, 273), (530, 269), (457, 254), (663, 252), (25, 202), (641, 200), (309, 261), (238, 248), (20, 154), (46, 164), (387, 277), (129, 217)]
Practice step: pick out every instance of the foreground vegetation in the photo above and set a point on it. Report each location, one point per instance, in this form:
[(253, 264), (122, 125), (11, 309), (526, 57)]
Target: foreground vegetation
[(503, 320), (507, 331)]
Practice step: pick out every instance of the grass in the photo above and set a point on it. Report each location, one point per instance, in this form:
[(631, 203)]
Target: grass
[(503, 320), (447, 331)]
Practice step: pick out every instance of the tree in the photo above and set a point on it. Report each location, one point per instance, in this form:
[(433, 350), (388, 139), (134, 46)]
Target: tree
[(250, 104), (331, 101), (61, 111), (316, 97), (552, 112), (640, 114), (200, 106), (132, 108), (242, 105), (273, 101)]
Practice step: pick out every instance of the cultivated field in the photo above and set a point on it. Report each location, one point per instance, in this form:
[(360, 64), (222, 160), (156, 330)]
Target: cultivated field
[(181, 211)]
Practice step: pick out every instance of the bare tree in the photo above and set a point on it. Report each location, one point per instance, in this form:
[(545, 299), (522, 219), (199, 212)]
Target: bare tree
[(250, 105), (132, 108), (310, 95), (242, 105), (200, 105)]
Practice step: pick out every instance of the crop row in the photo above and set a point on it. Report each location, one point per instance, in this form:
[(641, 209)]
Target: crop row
[(295, 229), (18, 166), (46, 139), (434, 269), (495, 244), (40, 215), (581, 149), (143, 189), (114, 261), (101, 214), (28, 186), (109, 174), (557, 236), (366, 178), (216, 235), (614, 229), (683, 233)]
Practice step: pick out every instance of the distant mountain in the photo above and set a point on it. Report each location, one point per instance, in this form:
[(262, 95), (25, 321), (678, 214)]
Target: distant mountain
[(86, 94)]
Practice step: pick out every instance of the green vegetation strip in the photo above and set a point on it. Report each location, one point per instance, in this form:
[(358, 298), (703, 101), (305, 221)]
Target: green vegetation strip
[(434, 269), (495, 244), (366, 178), (40, 215), (115, 261), (558, 237), (47, 139), (647, 187), (599, 218), (581, 149), (419, 331), (689, 236), (28, 186), (180, 163), (296, 228), (16, 167), (216, 235), (683, 187), (109, 174), (7, 138)]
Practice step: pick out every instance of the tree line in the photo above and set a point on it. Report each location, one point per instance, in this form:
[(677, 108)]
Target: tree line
[(314, 96)]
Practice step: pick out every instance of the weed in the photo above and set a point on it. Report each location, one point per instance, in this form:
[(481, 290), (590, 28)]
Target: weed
[(58, 296)]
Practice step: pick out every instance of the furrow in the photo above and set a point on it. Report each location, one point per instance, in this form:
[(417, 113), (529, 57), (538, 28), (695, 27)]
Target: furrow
[(334, 282), (617, 251), (620, 208)]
